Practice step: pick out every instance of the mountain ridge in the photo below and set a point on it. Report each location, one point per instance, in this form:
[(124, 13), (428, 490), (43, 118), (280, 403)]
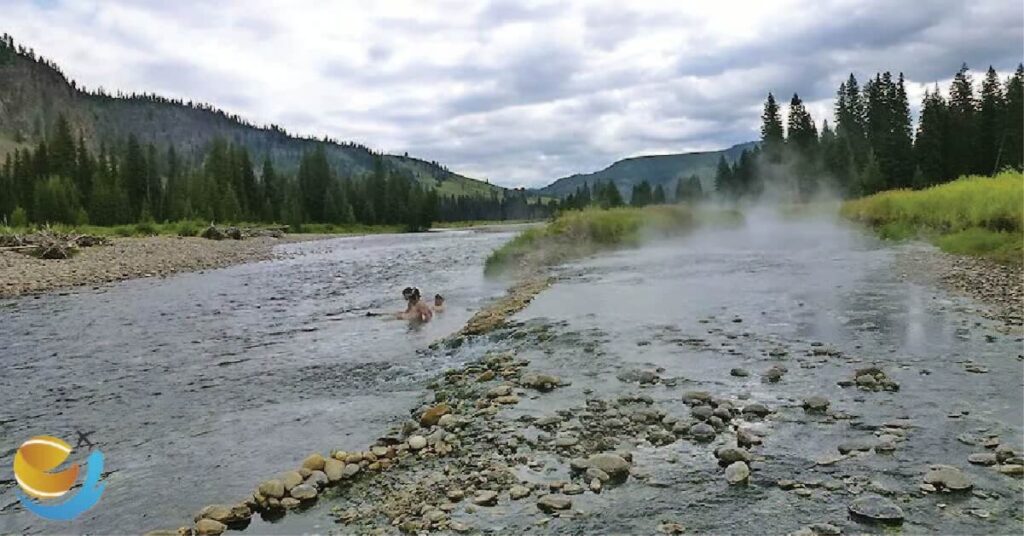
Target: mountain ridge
[(34, 92), (663, 169)]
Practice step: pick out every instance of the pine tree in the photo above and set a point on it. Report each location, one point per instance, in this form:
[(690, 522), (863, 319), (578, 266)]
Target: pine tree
[(85, 168), (154, 185), (659, 195), (1012, 146), (901, 149), (991, 123), (314, 178), (723, 180), (962, 111), (134, 176), (802, 135), (272, 192), (62, 151), (642, 195), (56, 201), (250, 197), (696, 191), (772, 136), (850, 119), (802, 145), (931, 140)]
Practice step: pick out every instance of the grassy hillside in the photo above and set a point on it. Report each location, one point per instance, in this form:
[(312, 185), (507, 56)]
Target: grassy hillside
[(658, 169), (973, 215), (34, 92)]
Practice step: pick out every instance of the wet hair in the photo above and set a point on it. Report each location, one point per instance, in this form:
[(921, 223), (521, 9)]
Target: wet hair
[(411, 293), (438, 297)]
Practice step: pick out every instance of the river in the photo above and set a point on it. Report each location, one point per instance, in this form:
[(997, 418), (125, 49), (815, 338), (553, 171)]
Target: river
[(199, 386)]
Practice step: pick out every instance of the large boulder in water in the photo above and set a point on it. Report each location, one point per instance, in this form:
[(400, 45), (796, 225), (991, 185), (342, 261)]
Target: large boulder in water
[(876, 508), (948, 477), (613, 465), (737, 473)]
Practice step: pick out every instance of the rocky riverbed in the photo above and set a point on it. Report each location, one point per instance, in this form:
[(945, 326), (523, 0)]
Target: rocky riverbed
[(779, 379), (129, 258), (998, 287)]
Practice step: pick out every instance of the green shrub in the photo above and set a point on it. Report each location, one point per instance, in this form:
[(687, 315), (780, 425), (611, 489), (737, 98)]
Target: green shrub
[(19, 218), (188, 228), (123, 230), (145, 228)]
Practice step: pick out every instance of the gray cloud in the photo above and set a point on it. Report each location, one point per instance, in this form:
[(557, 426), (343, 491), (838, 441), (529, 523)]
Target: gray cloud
[(519, 92)]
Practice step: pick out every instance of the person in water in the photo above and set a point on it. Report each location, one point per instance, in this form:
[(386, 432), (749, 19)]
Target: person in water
[(415, 309), (438, 303)]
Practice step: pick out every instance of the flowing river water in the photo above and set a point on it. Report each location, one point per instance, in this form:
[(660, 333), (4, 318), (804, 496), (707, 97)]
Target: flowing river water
[(198, 386)]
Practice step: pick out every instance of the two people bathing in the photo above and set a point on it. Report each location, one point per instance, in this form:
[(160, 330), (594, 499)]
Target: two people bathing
[(416, 309)]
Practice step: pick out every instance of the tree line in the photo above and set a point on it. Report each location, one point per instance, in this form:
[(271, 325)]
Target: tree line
[(873, 145), (60, 180), (870, 145)]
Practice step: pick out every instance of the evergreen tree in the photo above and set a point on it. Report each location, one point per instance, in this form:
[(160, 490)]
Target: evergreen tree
[(85, 167), (62, 151), (1012, 145), (772, 136), (802, 135), (962, 108), (931, 140), (134, 176), (850, 118), (56, 201), (272, 192), (659, 195), (175, 192), (607, 195), (991, 123), (902, 145), (723, 179), (314, 178), (642, 195), (154, 185)]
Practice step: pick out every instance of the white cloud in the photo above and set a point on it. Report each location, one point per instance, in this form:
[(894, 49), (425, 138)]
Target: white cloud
[(517, 92)]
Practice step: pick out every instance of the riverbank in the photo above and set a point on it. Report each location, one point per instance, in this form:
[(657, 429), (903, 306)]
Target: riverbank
[(130, 258), (974, 215), (999, 286)]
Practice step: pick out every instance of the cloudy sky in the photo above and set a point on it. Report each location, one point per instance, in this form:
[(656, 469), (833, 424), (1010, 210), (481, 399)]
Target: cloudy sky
[(518, 92)]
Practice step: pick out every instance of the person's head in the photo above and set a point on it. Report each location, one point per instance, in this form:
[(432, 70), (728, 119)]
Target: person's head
[(438, 300), (411, 294)]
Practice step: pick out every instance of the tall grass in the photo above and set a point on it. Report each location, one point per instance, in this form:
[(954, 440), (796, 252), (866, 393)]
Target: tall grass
[(972, 215), (579, 233)]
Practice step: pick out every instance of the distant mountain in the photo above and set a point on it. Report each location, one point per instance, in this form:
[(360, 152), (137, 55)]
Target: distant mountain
[(665, 169), (33, 92)]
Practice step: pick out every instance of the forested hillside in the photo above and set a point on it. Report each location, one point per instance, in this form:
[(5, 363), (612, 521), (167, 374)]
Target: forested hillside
[(664, 170), (74, 156)]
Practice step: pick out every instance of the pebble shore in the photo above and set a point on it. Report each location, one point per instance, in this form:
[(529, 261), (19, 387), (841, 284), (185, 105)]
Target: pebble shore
[(130, 258), (999, 287)]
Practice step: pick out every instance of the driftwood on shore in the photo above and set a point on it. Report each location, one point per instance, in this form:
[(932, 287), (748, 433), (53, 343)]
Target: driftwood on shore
[(49, 244), (239, 233)]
